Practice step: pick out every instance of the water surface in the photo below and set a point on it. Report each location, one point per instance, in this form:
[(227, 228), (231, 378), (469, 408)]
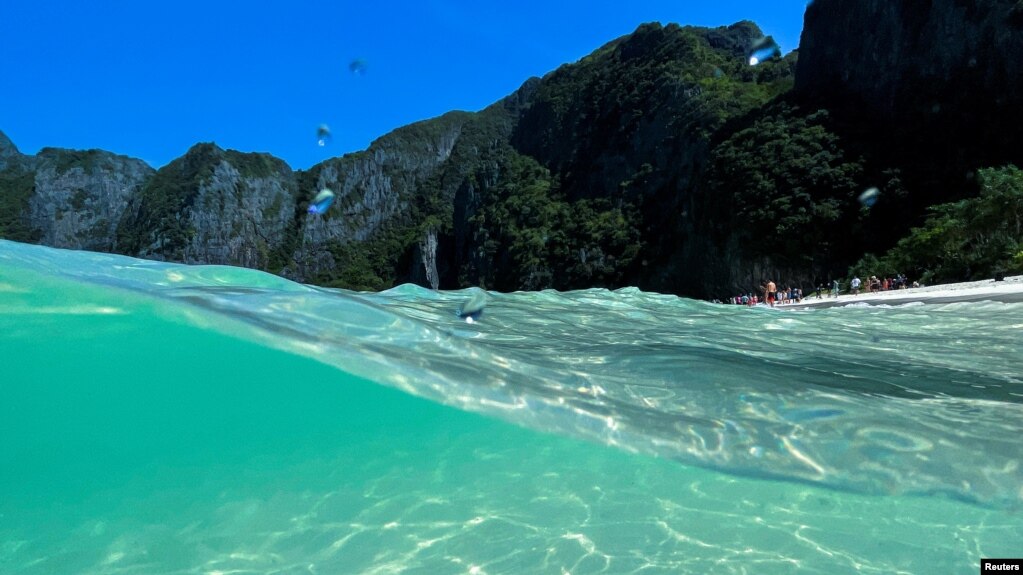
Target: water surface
[(158, 418)]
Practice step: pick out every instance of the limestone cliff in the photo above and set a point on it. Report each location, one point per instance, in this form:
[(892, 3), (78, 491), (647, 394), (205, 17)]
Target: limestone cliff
[(661, 160), (67, 198), (212, 206), (373, 188), (80, 196), (8, 151)]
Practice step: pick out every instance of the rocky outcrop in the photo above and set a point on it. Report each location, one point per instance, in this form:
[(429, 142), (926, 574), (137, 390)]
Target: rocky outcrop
[(372, 188), (424, 262), (239, 219), (80, 196), (66, 198), (17, 184), (8, 152), (213, 206)]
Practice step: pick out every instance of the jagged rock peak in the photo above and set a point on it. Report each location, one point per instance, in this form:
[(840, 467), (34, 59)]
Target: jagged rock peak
[(204, 150), (7, 147), (248, 164), (735, 39), (648, 39)]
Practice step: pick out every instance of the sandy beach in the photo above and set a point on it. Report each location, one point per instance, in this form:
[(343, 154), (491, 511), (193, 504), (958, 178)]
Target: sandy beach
[(1009, 290)]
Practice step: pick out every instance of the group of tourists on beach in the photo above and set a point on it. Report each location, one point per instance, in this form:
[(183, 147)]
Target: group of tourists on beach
[(771, 295), (873, 284), (789, 295), (883, 284)]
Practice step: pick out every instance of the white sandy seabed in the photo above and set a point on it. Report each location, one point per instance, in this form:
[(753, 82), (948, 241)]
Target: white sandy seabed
[(1008, 290)]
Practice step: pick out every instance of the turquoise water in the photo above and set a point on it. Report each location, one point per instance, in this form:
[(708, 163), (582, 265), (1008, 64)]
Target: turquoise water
[(158, 418)]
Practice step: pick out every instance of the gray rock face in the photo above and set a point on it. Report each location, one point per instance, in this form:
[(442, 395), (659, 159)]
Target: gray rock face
[(239, 220), (8, 151), (213, 206), (80, 196), (424, 263), (372, 187)]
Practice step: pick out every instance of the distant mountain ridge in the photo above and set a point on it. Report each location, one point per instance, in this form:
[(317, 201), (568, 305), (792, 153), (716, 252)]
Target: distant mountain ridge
[(661, 160)]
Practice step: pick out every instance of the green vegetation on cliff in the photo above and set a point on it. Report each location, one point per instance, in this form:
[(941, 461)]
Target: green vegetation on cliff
[(782, 186), (650, 98), (65, 160), (16, 188), (661, 160), (156, 223), (970, 239), (626, 133), (533, 237)]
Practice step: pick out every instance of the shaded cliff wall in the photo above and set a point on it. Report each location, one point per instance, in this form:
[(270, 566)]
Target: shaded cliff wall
[(936, 86), (17, 185)]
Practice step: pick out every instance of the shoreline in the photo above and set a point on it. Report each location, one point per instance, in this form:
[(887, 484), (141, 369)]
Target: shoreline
[(1009, 290)]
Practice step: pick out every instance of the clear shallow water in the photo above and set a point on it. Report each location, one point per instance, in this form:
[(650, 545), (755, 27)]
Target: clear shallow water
[(157, 418)]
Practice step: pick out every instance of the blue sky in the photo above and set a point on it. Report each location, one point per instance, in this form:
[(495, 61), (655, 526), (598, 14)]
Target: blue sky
[(150, 79)]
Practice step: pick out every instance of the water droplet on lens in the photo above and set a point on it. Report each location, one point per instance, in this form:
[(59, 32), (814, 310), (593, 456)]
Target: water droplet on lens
[(357, 66), (869, 197), (321, 203), (762, 50), (323, 135), (756, 451), (473, 309)]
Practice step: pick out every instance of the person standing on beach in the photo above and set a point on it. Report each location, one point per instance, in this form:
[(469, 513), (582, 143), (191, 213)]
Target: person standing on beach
[(769, 292), (834, 288), (855, 285)]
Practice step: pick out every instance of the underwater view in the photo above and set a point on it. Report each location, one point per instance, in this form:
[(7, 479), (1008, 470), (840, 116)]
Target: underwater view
[(161, 418)]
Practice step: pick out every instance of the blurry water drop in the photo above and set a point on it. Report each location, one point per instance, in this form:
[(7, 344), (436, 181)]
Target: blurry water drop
[(718, 73), (762, 50), (357, 66), (321, 203), (473, 309), (756, 451), (323, 135), (869, 197)]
